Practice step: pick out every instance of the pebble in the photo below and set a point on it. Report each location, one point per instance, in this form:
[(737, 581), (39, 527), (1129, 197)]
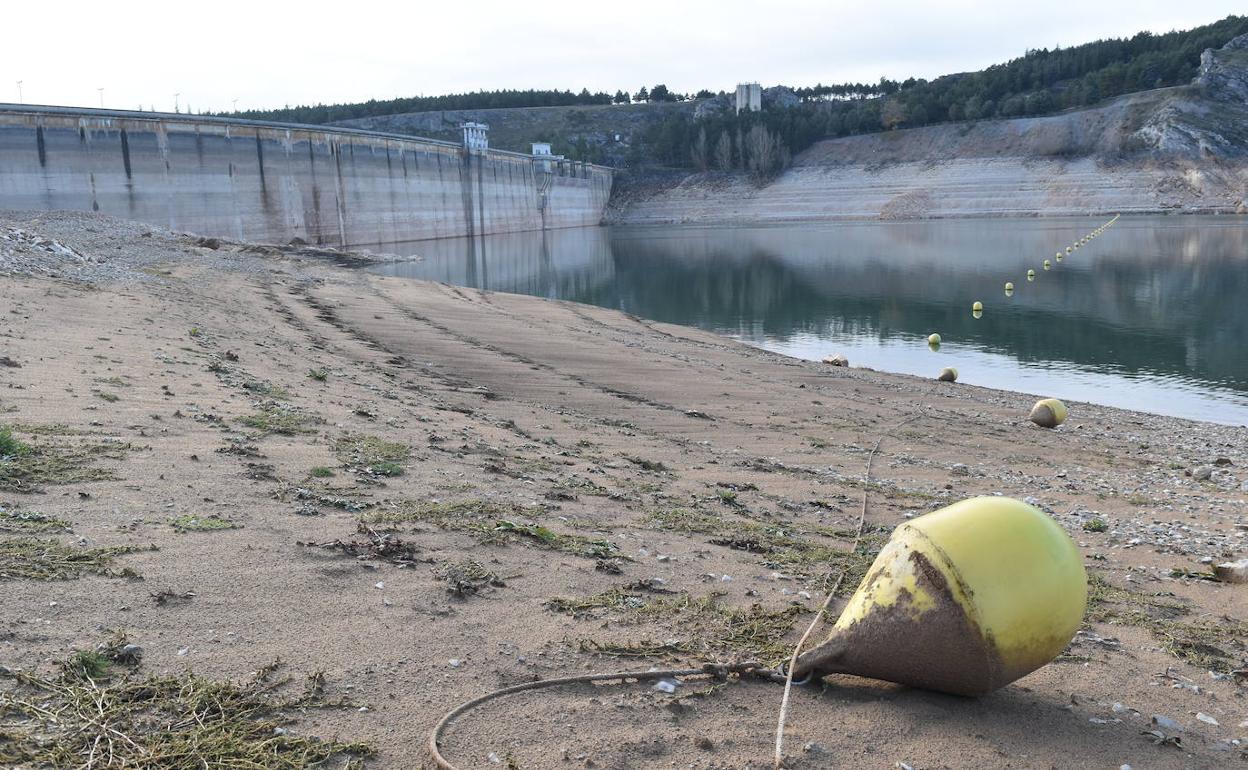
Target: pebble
[(379, 584), (1232, 571), (1202, 472), (666, 685), (1166, 723), (455, 662), (1202, 716)]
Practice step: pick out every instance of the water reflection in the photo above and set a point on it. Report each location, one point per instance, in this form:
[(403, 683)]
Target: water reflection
[(1149, 316)]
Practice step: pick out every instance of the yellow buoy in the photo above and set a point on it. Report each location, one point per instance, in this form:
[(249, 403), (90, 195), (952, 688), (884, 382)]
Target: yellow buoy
[(1047, 264), (1068, 249), (963, 600), (1031, 275), (1059, 257), (977, 305), (1048, 413), (1009, 286), (948, 374), (933, 339)]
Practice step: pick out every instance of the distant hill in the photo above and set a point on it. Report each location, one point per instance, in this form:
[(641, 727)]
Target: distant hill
[(684, 134)]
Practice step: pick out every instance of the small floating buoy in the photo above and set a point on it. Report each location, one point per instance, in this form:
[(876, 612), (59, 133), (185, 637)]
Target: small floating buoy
[(836, 360), (1059, 257), (1008, 293), (1068, 249), (1009, 286), (948, 374), (1048, 413), (963, 600), (977, 305), (1047, 264), (1031, 275), (933, 339)]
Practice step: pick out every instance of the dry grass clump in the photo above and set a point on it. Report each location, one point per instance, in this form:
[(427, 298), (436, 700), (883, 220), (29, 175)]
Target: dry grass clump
[(491, 522), (1214, 645), (803, 554), (48, 559), (189, 523), (701, 626), (25, 467), (91, 716)]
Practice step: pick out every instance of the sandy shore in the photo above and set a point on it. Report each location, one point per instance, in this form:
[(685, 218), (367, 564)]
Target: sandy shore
[(605, 492)]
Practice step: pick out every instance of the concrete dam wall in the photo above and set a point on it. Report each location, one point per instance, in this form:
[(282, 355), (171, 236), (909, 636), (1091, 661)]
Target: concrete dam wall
[(270, 182)]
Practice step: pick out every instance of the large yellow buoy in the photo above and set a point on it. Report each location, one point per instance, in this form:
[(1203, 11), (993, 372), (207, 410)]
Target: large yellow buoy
[(977, 305), (1048, 413), (933, 339), (963, 600)]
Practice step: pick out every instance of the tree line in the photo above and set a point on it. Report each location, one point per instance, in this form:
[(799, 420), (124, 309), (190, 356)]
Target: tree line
[(1038, 83)]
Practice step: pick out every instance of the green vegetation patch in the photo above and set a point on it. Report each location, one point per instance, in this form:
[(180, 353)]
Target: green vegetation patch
[(29, 466), (282, 419), (320, 472), (30, 522), (371, 454), (700, 626), (10, 445), (92, 715), (1215, 644), (189, 523), (49, 559), (490, 522)]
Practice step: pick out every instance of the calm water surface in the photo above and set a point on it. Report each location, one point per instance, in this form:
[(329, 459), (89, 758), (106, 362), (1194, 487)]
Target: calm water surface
[(1152, 315)]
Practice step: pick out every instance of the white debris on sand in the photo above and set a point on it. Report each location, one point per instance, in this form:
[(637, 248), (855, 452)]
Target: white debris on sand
[(25, 252)]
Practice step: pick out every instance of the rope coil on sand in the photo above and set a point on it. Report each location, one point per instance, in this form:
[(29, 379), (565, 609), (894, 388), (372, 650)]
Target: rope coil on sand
[(748, 668)]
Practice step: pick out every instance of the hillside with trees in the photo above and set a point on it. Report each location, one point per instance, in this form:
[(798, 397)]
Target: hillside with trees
[(713, 136)]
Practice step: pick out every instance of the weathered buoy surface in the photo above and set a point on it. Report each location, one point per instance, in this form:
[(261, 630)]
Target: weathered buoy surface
[(977, 305), (948, 374), (836, 360), (962, 600), (1048, 413), (933, 339)]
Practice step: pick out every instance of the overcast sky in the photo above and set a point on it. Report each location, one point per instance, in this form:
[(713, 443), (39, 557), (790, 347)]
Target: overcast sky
[(268, 54)]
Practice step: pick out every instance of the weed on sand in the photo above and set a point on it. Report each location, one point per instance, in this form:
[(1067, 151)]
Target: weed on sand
[(13, 521), (92, 715), (282, 419), (189, 523), (371, 454)]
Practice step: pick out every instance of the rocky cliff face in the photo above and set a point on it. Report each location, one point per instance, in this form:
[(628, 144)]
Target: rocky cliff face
[(1208, 119)]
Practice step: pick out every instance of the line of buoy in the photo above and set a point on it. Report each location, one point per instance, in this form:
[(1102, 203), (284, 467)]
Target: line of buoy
[(949, 374)]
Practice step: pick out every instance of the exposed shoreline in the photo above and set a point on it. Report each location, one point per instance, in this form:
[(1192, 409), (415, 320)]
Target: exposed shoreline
[(552, 443)]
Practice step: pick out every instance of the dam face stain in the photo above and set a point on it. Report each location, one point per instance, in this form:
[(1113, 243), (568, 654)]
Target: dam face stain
[(125, 153), (42, 146)]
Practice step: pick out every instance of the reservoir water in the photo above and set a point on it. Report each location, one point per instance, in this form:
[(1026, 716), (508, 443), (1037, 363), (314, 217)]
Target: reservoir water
[(1152, 315)]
